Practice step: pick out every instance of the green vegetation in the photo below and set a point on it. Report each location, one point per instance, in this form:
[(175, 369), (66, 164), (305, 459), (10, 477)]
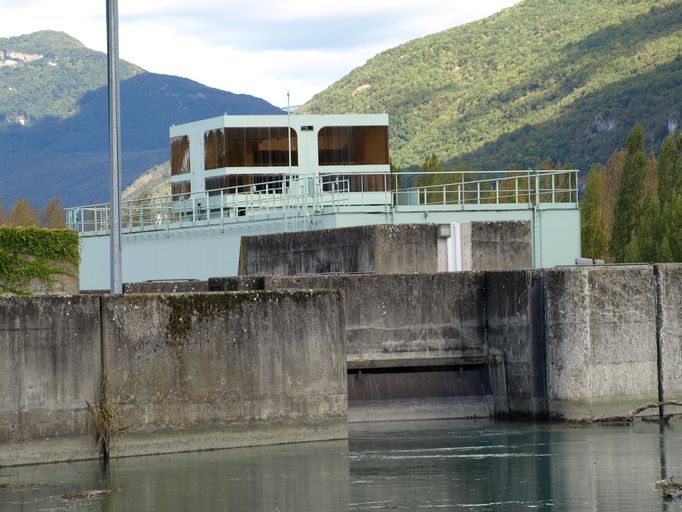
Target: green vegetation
[(51, 86), (34, 253), (632, 207), (563, 80), (104, 419)]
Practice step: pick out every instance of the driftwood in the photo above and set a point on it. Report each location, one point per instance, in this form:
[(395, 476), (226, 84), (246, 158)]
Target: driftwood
[(631, 415)]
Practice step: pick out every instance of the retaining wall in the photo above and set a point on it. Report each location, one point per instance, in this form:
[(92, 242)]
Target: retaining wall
[(185, 372)]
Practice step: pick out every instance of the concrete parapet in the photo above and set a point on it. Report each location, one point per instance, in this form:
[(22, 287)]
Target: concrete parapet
[(211, 370), (191, 286), (50, 366)]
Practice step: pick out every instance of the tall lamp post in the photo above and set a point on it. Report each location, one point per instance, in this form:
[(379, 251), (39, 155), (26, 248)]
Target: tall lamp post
[(113, 82)]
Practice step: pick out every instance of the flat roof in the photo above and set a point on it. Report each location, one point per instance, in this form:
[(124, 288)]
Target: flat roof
[(297, 120)]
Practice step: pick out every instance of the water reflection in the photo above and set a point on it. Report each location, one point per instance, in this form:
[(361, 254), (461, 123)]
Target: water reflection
[(460, 465)]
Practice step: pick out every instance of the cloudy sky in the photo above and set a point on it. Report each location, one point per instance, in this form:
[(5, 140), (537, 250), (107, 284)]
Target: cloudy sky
[(261, 47)]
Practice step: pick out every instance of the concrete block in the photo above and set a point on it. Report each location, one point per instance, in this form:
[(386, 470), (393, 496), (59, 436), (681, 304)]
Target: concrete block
[(215, 370), (50, 367), (501, 245), (600, 338)]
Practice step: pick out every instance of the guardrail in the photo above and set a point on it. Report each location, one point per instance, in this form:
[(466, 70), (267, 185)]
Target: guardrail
[(303, 196), (529, 187)]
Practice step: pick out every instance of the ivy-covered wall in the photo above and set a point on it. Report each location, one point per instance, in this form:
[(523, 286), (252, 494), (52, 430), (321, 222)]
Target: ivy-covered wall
[(37, 260)]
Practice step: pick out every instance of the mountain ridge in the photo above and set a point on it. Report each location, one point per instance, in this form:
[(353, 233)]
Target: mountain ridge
[(53, 126), (455, 92)]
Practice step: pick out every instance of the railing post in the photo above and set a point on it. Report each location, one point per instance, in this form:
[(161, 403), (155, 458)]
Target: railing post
[(537, 189), (478, 192), (516, 190), (497, 191), (553, 189)]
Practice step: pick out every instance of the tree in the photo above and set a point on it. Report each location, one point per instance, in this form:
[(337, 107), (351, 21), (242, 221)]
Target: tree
[(594, 235), (22, 214), (644, 242), (667, 171), (630, 195), (53, 215)]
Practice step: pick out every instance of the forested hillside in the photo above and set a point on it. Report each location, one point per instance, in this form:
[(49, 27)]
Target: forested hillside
[(564, 80), (53, 118)]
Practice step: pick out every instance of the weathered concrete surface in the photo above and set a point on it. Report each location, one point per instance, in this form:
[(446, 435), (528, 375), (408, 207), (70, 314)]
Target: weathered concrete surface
[(406, 319), (380, 248), (203, 371), (600, 340), (669, 287), (192, 286), (513, 330), (501, 245), (50, 366), (386, 249)]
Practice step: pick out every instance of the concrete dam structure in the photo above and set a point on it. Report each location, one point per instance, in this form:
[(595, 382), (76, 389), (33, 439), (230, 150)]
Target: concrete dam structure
[(192, 371)]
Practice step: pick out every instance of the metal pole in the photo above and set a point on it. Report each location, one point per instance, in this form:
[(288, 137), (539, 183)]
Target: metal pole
[(289, 135), (114, 146)]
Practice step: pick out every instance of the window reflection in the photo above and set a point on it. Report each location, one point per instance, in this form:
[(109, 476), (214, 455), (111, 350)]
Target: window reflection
[(353, 145), (356, 182), (249, 147), (180, 155)]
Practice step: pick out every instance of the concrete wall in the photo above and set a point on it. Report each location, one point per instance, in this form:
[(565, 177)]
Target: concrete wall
[(501, 245), (190, 286), (600, 340), (516, 343), (381, 249), (50, 365), (669, 330), (386, 249), (401, 319), (185, 372)]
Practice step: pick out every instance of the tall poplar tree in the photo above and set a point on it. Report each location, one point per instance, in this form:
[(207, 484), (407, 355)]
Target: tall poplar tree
[(594, 234), (630, 195)]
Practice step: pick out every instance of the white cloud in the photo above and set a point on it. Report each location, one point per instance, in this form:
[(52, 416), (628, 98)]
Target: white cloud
[(260, 48)]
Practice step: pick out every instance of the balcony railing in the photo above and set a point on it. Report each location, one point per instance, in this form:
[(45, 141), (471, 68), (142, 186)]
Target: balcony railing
[(304, 196)]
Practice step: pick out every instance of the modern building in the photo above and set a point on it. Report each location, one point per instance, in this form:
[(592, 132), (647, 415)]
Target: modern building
[(247, 175)]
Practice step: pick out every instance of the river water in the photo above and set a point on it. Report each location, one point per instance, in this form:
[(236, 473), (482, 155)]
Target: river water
[(476, 465)]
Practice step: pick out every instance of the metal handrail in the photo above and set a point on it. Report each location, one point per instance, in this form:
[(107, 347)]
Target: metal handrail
[(298, 197)]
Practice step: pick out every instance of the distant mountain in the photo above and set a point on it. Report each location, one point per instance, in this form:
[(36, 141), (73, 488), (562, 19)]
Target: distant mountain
[(54, 119), (546, 79)]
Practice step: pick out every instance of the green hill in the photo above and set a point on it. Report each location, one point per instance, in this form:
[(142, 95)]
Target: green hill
[(54, 118), (557, 79)]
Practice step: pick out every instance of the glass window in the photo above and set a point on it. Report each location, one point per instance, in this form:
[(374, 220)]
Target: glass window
[(353, 145), (249, 147), (260, 183), (180, 155), (356, 182), (181, 190)]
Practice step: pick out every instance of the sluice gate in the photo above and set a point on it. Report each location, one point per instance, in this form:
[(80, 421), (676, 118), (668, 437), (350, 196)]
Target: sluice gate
[(419, 392)]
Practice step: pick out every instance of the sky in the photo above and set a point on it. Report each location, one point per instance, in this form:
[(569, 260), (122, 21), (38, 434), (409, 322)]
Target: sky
[(264, 48)]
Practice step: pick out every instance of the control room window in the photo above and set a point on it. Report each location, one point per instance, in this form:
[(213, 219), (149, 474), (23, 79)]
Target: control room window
[(180, 155), (181, 189), (353, 145), (249, 147)]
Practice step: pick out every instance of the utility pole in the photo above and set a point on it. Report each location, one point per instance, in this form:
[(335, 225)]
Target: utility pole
[(113, 82)]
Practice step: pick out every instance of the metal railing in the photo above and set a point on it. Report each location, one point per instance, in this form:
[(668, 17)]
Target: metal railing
[(304, 196), (285, 198), (530, 187)]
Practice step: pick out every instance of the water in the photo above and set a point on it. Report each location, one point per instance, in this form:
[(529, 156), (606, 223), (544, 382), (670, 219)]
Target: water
[(444, 465)]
